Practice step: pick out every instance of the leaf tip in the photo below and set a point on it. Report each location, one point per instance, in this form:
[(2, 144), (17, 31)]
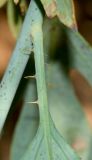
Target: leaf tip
[(51, 9)]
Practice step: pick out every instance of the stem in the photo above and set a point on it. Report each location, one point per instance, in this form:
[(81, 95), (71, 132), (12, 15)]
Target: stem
[(15, 69), (37, 35)]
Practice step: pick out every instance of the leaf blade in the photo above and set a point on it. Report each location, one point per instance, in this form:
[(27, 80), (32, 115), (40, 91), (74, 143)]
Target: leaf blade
[(63, 9)]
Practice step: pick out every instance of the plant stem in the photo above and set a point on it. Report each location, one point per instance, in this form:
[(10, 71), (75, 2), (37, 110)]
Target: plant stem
[(37, 35)]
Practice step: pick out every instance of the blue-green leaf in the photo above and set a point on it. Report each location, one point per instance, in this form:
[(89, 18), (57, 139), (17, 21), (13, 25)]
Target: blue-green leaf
[(27, 124), (47, 144), (67, 112), (65, 108), (81, 53)]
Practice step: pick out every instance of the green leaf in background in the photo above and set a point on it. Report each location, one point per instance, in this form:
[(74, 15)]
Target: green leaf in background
[(64, 9), (27, 124), (67, 112), (81, 53), (14, 18), (2, 2), (23, 6), (65, 108), (54, 38), (90, 151)]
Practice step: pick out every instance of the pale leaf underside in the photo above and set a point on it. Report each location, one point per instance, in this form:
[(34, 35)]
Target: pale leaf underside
[(64, 9)]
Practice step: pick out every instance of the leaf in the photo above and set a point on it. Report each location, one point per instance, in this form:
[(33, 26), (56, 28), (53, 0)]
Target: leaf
[(14, 18), (64, 9), (17, 64), (27, 124), (60, 149), (22, 146), (2, 2), (81, 53), (90, 151), (65, 108), (47, 144), (66, 111)]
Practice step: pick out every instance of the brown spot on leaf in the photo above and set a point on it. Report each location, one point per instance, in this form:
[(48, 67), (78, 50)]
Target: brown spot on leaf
[(79, 145)]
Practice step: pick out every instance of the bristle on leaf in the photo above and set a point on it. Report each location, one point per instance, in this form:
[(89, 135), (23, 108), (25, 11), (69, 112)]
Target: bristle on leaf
[(35, 102), (29, 77)]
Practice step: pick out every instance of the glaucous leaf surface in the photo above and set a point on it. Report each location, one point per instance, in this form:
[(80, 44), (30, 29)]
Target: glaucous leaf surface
[(61, 92), (67, 115), (81, 54), (67, 112), (27, 124), (23, 147), (60, 149), (47, 144)]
